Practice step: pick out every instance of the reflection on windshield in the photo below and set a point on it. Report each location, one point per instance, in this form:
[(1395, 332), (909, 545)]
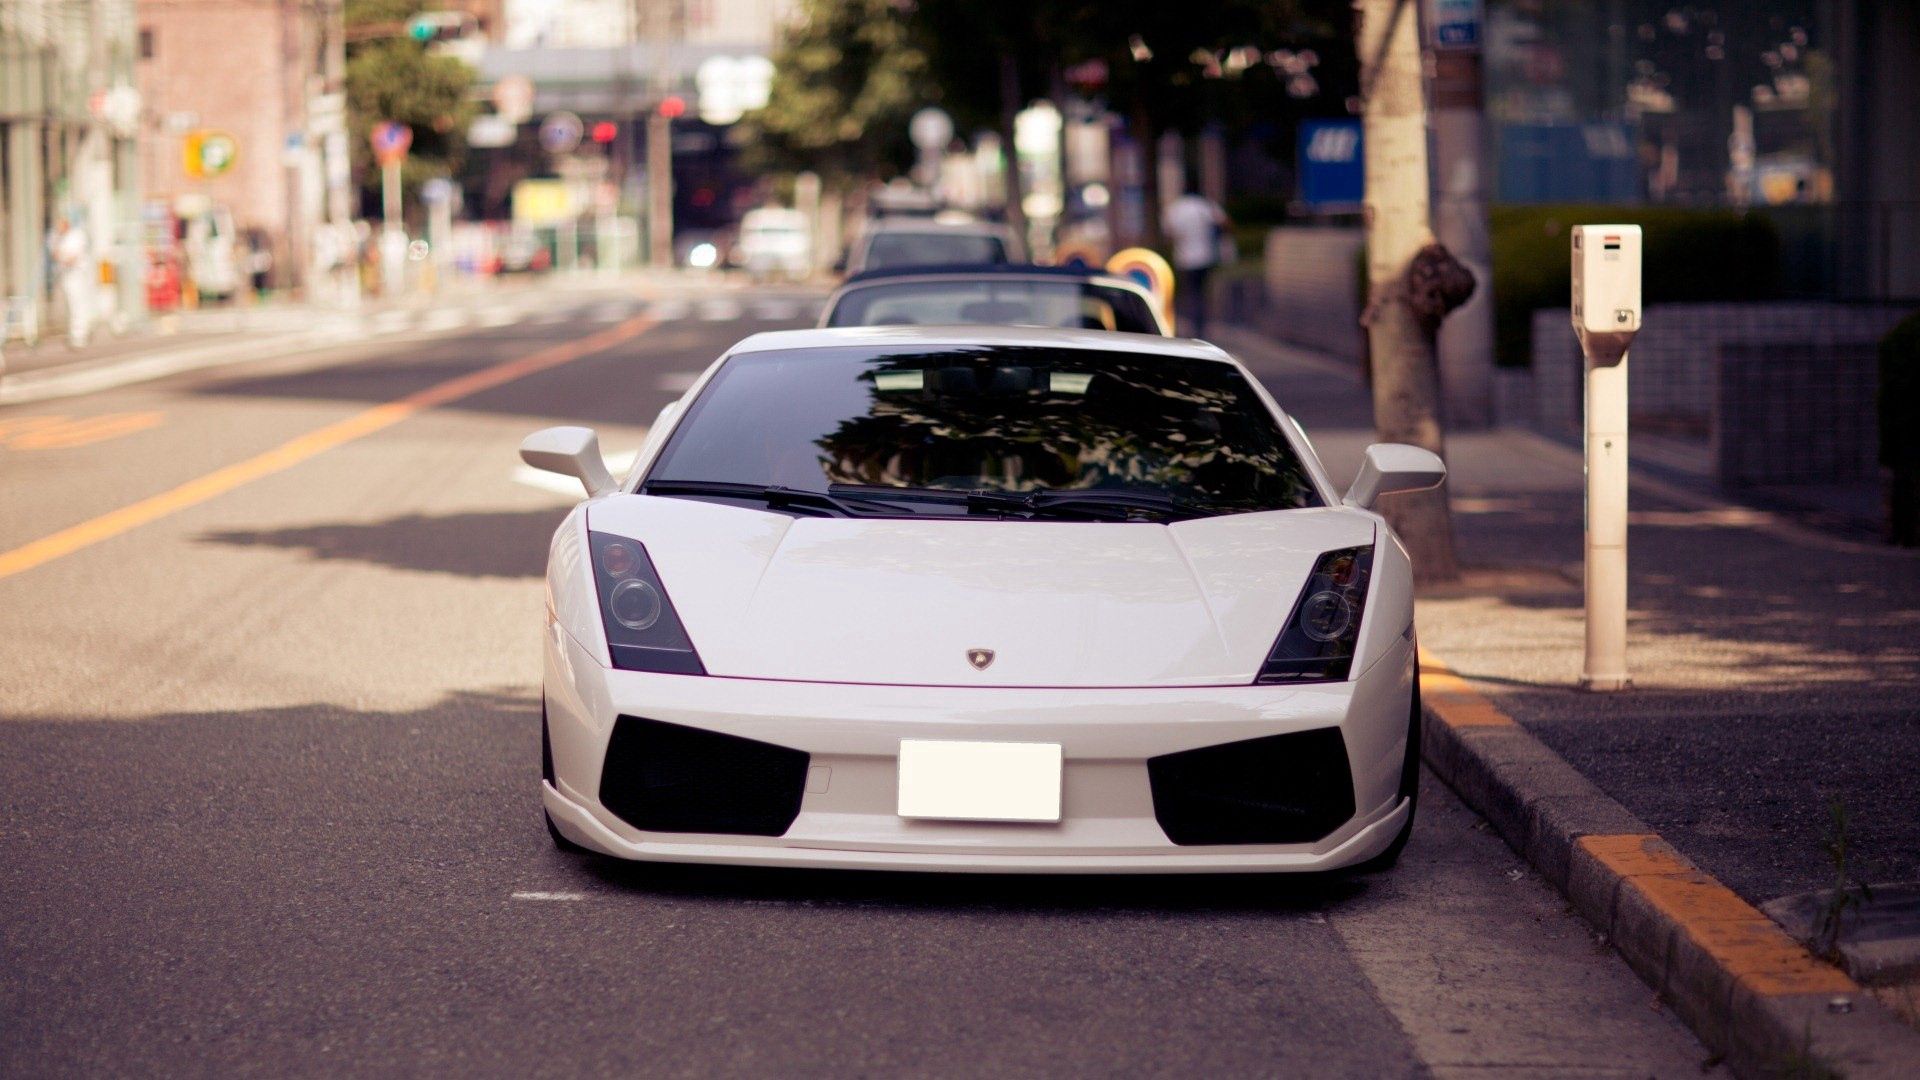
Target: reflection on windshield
[(1070, 304), (996, 419)]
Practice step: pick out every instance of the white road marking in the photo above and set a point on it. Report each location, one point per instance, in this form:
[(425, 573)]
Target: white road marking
[(677, 382), (549, 896), (670, 310), (611, 311), (720, 310), (498, 317)]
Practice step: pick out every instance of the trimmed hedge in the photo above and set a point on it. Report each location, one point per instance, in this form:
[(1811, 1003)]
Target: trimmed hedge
[(1689, 255)]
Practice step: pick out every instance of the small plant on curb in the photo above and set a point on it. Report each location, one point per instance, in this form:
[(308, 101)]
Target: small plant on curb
[(1847, 893)]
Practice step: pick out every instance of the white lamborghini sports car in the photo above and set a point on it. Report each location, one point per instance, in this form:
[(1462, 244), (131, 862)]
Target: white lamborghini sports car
[(984, 599)]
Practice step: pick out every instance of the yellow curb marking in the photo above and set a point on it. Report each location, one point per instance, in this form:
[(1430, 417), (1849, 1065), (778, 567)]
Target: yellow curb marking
[(66, 432), (1452, 700), (313, 443), (1760, 955), (1753, 948)]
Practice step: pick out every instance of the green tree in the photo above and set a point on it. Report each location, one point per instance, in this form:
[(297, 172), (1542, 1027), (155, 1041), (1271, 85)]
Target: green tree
[(846, 81), (390, 76), (991, 60)]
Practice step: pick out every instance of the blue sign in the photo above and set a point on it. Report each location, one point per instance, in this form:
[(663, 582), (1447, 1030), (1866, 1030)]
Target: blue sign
[(1333, 173), (1456, 24)]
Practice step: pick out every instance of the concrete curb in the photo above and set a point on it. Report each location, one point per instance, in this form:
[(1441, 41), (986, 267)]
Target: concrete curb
[(1748, 990)]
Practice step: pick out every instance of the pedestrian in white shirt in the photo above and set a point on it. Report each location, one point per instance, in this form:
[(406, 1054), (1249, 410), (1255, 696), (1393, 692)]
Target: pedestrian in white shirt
[(1194, 224), (73, 265)]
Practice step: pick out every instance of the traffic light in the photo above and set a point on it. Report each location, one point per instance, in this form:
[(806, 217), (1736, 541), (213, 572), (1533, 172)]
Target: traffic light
[(605, 131), (673, 107), (443, 28)]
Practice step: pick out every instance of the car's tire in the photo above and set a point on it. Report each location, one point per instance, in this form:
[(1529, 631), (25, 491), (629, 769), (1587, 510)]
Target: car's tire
[(546, 773), (1409, 787)]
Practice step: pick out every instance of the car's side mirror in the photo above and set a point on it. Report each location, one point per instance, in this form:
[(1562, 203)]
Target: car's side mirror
[(1391, 467), (569, 451)]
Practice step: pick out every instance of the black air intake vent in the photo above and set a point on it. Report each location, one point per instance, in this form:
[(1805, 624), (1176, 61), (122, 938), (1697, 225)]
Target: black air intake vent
[(1281, 789), (664, 777)]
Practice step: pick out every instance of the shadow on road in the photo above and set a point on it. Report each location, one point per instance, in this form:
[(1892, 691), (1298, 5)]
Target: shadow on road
[(505, 543)]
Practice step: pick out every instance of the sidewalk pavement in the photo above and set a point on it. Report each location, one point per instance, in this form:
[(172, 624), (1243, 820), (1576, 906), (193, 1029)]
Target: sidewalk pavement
[(1776, 667)]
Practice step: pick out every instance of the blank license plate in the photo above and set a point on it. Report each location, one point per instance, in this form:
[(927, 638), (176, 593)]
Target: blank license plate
[(979, 781)]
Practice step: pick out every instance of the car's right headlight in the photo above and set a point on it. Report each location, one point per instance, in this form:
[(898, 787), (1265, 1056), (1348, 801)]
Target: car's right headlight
[(643, 632), (1318, 641)]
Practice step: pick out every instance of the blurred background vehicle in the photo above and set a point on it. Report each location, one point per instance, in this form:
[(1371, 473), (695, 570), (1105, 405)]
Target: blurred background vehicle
[(1005, 295), (524, 253), (893, 242), (775, 242)]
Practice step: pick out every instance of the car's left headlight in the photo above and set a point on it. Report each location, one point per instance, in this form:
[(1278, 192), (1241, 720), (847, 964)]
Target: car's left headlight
[(643, 632), (1318, 641)]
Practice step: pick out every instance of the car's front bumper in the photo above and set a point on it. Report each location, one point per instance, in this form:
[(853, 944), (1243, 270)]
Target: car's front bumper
[(847, 817)]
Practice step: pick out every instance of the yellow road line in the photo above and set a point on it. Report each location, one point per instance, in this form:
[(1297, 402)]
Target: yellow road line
[(294, 451), (66, 433), (1739, 938)]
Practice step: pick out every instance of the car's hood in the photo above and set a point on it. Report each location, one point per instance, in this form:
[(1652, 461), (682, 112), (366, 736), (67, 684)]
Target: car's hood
[(764, 595)]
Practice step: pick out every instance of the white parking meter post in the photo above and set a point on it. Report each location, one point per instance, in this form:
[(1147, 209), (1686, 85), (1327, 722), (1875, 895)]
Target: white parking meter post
[(1606, 316)]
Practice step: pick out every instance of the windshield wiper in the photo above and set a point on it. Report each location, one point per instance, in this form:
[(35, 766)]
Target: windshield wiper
[(1003, 502), (1110, 505), (774, 495), (1119, 503)]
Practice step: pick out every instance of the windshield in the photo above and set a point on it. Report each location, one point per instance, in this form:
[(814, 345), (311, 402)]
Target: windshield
[(1073, 304), (931, 249), (1024, 421)]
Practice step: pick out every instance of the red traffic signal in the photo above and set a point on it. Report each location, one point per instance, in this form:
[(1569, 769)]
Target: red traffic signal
[(604, 131), (673, 107)]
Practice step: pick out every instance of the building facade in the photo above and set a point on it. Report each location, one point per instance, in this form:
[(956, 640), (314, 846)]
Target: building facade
[(244, 125), (68, 119)]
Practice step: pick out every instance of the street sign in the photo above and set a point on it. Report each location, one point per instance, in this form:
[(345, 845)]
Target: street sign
[(560, 132), (1454, 24), (1332, 170), (543, 202), (490, 132), (390, 141), (207, 153), (1147, 268)]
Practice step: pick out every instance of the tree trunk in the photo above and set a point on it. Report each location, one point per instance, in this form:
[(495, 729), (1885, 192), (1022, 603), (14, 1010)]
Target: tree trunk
[(1010, 106), (1406, 392), (1145, 130)]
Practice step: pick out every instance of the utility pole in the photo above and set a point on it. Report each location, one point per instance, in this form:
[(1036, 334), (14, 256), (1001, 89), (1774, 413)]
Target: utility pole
[(1460, 213), (1400, 321), (660, 141)]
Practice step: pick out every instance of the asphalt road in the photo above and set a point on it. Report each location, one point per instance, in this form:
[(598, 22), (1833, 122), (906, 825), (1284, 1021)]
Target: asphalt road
[(268, 775)]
